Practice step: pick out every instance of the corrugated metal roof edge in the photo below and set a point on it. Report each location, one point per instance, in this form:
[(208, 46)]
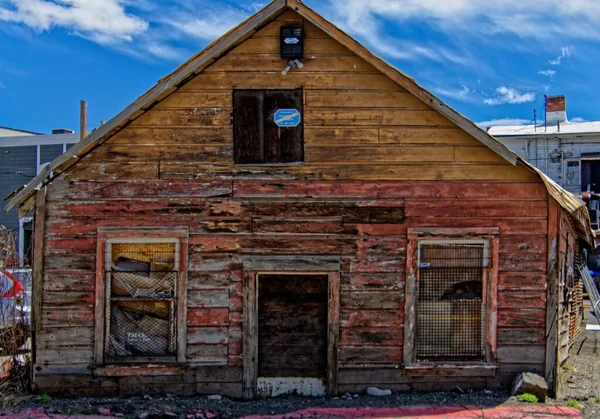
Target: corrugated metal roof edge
[(573, 206)]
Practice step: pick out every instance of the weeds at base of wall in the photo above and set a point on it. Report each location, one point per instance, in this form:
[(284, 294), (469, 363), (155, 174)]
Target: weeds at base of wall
[(16, 385)]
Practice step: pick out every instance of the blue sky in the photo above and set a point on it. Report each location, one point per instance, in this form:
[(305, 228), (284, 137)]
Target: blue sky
[(489, 59)]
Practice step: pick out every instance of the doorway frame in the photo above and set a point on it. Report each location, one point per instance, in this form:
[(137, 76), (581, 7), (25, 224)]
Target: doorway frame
[(253, 267)]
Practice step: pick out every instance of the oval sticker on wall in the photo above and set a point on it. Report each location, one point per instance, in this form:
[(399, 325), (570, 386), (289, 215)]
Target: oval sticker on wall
[(287, 117)]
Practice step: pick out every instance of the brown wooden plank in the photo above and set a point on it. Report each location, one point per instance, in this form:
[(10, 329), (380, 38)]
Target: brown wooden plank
[(72, 336), (473, 208), (382, 172), (362, 99), (425, 135), (112, 171), (147, 207), (501, 191), (208, 298), (319, 63), (371, 300), (38, 260), (370, 355), (69, 282), (521, 354), (207, 335), (372, 336), (204, 354), (155, 153), (250, 340), (86, 191), (371, 318), (67, 317), (198, 99), (219, 374), (271, 46), (333, 334), (208, 317), (520, 318), (292, 80), (372, 282), (358, 211), (64, 355), (528, 336), (186, 117), (174, 136), (522, 299), (383, 154), (378, 117), (522, 281)]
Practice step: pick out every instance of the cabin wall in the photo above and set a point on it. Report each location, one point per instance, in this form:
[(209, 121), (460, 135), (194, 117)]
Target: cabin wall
[(377, 162)]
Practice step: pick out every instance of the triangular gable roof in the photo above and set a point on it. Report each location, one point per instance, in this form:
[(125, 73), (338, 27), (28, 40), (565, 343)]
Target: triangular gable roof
[(237, 35)]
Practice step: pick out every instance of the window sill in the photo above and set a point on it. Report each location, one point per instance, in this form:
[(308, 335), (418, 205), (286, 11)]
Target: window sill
[(134, 370), (451, 370)]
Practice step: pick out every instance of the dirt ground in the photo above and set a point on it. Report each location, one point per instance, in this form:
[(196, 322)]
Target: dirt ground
[(580, 384)]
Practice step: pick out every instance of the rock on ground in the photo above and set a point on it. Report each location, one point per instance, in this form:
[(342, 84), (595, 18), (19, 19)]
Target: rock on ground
[(528, 382)]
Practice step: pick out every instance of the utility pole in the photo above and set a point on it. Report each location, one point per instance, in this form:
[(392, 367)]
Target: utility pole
[(82, 120)]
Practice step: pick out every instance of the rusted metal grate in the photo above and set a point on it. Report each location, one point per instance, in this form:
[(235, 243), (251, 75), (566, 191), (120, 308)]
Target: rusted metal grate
[(450, 309), (141, 282)]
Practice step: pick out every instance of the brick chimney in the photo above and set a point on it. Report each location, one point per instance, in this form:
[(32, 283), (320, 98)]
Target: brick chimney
[(556, 109)]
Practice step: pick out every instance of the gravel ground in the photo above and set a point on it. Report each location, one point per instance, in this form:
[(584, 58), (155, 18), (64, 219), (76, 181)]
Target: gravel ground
[(581, 381), (169, 407), (581, 384)]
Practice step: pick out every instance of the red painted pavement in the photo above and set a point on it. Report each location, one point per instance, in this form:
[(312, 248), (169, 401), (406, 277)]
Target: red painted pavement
[(466, 412)]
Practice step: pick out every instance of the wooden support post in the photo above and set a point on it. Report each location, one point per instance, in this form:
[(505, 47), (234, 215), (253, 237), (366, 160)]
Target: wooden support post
[(551, 368), (82, 119), (38, 260), (250, 336), (333, 320)]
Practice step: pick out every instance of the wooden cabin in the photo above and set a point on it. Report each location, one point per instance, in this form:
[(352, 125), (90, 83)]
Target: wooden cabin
[(245, 232)]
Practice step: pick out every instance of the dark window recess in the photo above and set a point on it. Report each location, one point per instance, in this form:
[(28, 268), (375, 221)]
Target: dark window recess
[(257, 138), (292, 42), (590, 175), (450, 309)]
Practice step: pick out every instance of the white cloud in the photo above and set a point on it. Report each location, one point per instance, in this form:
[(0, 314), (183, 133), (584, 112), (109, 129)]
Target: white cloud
[(210, 25), (565, 52), (103, 19), (547, 73), (508, 95), (577, 119), (503, 122), (464, 94)]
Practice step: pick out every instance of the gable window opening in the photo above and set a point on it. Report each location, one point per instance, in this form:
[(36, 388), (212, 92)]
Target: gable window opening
[(268, 126), (141, 305), (450, 300)]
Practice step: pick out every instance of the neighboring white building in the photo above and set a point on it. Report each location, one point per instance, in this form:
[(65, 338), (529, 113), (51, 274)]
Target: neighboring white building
[(568, 152), (21, 158), (15, 132)]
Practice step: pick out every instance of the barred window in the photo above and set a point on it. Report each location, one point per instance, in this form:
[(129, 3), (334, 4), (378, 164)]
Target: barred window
[(144, 287), (450, 309), (451, 292)]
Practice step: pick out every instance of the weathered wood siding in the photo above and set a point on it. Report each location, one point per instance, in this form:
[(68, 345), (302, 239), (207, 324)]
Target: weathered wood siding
[(377, 161)]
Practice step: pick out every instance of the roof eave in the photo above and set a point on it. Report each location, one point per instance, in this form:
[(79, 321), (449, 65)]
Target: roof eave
[(162, 89)]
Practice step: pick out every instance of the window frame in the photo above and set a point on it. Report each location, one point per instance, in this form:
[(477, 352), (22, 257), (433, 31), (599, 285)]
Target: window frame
[(108, 236), (264, 92), (490, 292), (566, 175)]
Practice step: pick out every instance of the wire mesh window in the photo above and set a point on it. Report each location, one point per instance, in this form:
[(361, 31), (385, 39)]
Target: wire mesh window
[(450, 302), (141, 280)]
